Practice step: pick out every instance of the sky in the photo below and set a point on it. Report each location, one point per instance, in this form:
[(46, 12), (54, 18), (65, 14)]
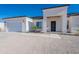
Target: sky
[(12, 10)]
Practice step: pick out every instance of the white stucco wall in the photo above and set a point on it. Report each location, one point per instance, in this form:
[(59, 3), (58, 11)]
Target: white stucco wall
[(2, 26), (55, 11), (60, 11), (29, 24), (74, 23)]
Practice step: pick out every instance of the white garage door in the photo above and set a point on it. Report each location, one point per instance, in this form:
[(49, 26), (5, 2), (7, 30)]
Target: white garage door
[(14, 26)]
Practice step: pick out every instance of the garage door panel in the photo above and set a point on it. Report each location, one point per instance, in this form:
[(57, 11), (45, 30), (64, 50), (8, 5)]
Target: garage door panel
[(14, 26)]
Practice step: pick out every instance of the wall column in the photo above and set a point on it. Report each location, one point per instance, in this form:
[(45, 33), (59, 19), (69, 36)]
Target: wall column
[(5, 25), (64, 23), (44, 24), (24, 25)]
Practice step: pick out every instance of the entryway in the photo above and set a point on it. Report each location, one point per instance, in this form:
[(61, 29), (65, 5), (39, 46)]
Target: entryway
[(53, 26)]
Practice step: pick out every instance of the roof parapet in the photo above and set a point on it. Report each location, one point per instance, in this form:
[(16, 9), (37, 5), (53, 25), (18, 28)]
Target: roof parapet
[(57, 6)]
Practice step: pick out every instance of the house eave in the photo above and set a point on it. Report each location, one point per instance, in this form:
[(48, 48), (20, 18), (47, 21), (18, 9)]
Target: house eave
[(14, 17)]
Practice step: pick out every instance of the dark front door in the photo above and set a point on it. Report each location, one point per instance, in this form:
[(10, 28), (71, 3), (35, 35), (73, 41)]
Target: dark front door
[(53, 25)]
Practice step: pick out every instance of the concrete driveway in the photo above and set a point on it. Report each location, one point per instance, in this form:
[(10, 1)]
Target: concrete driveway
[(23, 43)]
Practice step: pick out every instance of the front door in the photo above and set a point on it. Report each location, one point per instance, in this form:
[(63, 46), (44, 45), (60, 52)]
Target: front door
[(53, 25)]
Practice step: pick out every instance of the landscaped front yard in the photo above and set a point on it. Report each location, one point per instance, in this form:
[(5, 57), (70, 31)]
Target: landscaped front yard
[(38, 43)]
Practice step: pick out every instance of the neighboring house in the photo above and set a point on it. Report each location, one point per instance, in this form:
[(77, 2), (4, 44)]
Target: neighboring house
[(18, 24), (73, 21), (54, 19), (21, 23)]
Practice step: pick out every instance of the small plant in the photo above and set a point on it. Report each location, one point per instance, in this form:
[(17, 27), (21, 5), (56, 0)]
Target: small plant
[(0, 29), (38, 27), (34, 28), (78, 30)]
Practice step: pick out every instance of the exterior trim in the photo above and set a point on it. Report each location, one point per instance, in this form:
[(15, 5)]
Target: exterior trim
[(37, 17), (14, 17), (56, 6), (73, 14)]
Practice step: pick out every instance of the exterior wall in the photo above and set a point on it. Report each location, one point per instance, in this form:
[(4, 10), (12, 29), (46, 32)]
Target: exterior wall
[(55, 11), (58, 24), (2, 26), (74, 23), (60, 11), (28, 24)]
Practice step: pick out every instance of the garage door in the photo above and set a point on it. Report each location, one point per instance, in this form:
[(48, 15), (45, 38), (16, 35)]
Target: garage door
[(14, 26)]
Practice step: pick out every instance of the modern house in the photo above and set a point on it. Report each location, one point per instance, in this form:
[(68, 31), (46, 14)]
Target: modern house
[(54, 19)]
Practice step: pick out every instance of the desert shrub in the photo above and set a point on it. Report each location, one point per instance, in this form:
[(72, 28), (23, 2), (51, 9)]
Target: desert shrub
[(36, 28), (77, 30), (0, 29)]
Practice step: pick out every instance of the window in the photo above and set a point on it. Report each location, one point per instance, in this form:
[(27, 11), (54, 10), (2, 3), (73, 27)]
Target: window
[(39, 24)]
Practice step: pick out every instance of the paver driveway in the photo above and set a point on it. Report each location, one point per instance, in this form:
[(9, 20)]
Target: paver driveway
[(38, 43)]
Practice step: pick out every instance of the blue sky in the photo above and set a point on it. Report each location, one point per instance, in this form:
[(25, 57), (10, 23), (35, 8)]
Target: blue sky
[(11, 10)]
